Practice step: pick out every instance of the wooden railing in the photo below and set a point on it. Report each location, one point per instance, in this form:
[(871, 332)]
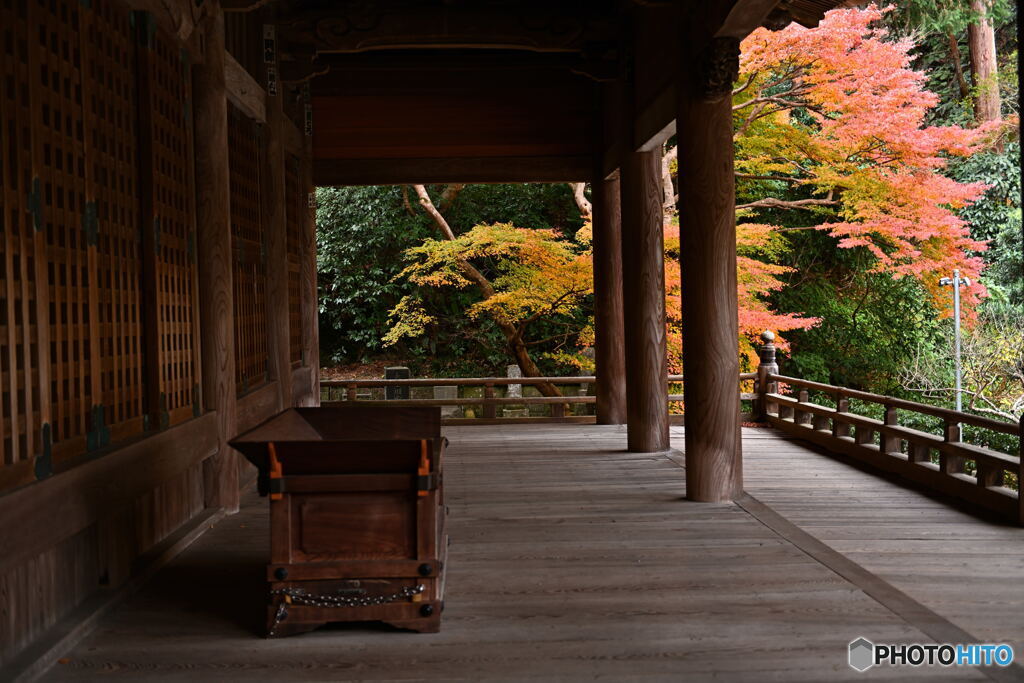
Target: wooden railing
[(944, 462), (338, 392)]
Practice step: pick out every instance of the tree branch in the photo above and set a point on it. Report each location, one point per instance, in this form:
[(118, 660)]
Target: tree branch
[(512, 335), (449, 195), (785, 179), (579, 194), (668, 189), (405, 201), (773, 203)]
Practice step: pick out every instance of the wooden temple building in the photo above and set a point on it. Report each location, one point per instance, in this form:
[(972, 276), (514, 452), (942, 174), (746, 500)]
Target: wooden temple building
[(158, 160)]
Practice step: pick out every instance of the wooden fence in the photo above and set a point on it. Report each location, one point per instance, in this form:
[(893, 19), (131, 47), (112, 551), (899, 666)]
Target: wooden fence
[(945, 463), (560, 408)]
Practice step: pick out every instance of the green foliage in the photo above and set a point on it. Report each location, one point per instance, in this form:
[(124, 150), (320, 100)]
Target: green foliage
[(944, 16), (361, 237), (997, 219), (533, 276), (871, 323), (542, 206), (361, 234)]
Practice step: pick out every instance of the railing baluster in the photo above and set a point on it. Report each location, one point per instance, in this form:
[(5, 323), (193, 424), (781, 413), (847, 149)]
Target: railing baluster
[(890, 444), (948, 463), (764, 385), (840, 428), (489, 411), (1020, 473), (350, 392), (802, 417), (832, 430), (917, 452)]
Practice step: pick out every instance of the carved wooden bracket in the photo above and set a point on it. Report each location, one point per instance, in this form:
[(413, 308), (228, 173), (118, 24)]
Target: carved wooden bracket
[(719, 68), (351, 26)]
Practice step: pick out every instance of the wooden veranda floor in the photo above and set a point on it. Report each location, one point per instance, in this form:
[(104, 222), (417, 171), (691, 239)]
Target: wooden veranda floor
[(573, 560)]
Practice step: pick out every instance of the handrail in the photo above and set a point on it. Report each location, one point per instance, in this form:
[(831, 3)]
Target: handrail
[(469, 381), (936, 461), (939, 462), (935, 411), (490, 400)]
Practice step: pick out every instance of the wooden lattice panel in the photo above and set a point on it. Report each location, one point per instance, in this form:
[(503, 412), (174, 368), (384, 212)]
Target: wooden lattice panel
[(168, 221), (248, 246), (58, 137), (296, 207), (113, 216), (97, 268), (21, 414)]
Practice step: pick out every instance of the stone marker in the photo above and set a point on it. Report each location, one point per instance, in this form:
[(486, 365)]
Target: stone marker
[(514, 390), (396, 393), (448, 393)]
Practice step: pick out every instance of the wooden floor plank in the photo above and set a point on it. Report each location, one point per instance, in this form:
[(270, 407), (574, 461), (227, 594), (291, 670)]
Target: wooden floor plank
[(573, 560), (968, 569)]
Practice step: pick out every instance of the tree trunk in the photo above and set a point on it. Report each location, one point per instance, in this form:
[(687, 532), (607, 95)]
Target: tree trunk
[(668, 189), (981, 40), (582, 203), (513, 336), (958, 68)]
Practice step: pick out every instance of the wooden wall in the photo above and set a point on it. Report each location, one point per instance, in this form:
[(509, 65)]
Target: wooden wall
[(249, 253), (297, 206), (103, 426)]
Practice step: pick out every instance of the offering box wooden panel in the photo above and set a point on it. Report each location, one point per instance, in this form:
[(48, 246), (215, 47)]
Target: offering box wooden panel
[(356, 515)]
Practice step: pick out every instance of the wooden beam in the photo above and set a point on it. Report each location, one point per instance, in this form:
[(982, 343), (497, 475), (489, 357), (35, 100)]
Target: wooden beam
[(302, 382), (656, 112), (533, 26), (448, 170), (643, 272), (708, 255), (608, 314), (746, 16), (213, 218), (98, 488), (293, 138), (243, 90), (656, 122), (176, 16), (259, 405)]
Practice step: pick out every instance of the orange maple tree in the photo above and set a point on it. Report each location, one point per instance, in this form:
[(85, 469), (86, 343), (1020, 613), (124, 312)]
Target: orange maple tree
[(833, 119)]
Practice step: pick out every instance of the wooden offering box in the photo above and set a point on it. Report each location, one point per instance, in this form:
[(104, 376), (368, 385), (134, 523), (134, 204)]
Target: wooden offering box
[(356, 516)]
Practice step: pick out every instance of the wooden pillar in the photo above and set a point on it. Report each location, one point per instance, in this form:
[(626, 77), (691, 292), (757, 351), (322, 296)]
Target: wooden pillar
[(310, 300), (707, 221), (274, 203), (643, 273), (213, 219), (609, 342)]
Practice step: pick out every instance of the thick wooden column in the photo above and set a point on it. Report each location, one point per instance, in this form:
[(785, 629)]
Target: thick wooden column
[(274, 202), (643, 273), (213, 219), (310, 300), (609, 343), (707, 221)]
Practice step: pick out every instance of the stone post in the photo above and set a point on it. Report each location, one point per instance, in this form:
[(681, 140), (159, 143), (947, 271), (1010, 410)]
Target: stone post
[(396, 393)]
